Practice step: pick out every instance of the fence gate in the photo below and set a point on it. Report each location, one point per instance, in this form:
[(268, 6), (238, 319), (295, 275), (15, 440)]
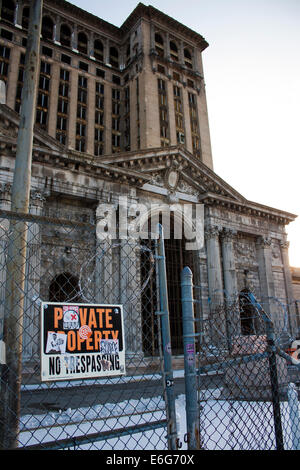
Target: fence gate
[(241, 385), (86, 363)]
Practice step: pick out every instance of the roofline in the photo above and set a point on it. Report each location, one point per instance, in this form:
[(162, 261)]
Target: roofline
[(151, 13), (141, 10)]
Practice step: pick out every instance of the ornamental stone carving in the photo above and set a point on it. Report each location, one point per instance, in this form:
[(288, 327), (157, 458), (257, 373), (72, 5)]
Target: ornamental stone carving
[(212, 231), (264, 242), (228, 235)]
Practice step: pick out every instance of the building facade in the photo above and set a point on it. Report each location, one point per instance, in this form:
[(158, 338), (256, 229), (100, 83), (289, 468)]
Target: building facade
[(122, 112)]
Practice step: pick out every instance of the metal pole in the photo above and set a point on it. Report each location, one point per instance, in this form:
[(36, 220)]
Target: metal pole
[(271, 349), (16, 253), (191, 392), (274, 385), (166, 341), (294, 415)]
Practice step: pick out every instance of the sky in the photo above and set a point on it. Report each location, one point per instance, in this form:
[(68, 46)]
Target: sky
[(252, 77)]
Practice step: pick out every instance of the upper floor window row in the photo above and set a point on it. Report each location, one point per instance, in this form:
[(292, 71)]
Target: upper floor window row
[(173, 50), (63, 34)]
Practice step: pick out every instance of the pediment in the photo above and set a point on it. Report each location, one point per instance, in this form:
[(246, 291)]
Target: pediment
[(176, 170)]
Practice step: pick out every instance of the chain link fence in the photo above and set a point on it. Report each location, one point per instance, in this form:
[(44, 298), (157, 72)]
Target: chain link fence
[(247, 372), (240, 356), (125, 407)]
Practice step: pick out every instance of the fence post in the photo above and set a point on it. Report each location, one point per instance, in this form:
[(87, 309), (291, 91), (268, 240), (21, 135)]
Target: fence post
[(274, 384), (11, 373), (273, 372), (294, 415), (191, 392), (166, 341)]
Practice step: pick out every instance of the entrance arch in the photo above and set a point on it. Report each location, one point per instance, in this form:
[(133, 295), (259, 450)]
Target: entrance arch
[(177, 257)]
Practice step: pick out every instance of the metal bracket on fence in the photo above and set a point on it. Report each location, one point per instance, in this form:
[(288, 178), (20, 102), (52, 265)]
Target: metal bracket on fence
[(161, 313), (192, 335)]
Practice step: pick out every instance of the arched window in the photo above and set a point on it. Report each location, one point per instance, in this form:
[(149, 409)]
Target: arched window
[(64, 288), (188, 61), (174, 51), (65, 35), (98, 50), (25, 17), (114, 57), (47, 28), (159, 45), (247, 313), (82, 44), (8, 11)]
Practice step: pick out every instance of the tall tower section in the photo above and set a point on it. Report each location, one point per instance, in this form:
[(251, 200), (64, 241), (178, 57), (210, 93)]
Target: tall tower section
[(105, 90), (172, 97)]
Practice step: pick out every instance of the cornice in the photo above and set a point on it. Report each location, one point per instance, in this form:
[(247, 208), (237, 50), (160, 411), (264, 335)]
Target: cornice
[(141, 11), (82, 15), (248, 208)]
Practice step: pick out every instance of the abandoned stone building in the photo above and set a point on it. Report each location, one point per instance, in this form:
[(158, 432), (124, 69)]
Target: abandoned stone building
[(122, 112)]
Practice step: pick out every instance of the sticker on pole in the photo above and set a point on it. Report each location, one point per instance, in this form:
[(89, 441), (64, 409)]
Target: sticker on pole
[(81, 341)]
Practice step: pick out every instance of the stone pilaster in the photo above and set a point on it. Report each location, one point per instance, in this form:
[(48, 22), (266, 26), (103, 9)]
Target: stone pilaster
[(215, 283), (232, 314), (103, 276), (267, 287), (32, 280), (229, 271), (284, 247)]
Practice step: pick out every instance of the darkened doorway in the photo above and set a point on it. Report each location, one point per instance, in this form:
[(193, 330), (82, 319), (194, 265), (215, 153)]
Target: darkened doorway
[(177, 257), (64, 288), (247, 313)]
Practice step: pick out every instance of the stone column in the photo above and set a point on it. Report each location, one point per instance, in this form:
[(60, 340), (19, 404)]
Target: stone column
[(129, 280), (284, 246), (106, 53), (215, 283), (130, 296), (229, 271), (74, 38), (18, 14), (233, 327), (217, 325), (267, 288), (57, 26), (31, 322), (91, 45), (103, 289)]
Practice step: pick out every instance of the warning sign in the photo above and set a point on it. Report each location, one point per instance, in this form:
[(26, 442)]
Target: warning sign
[(81, 341)]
